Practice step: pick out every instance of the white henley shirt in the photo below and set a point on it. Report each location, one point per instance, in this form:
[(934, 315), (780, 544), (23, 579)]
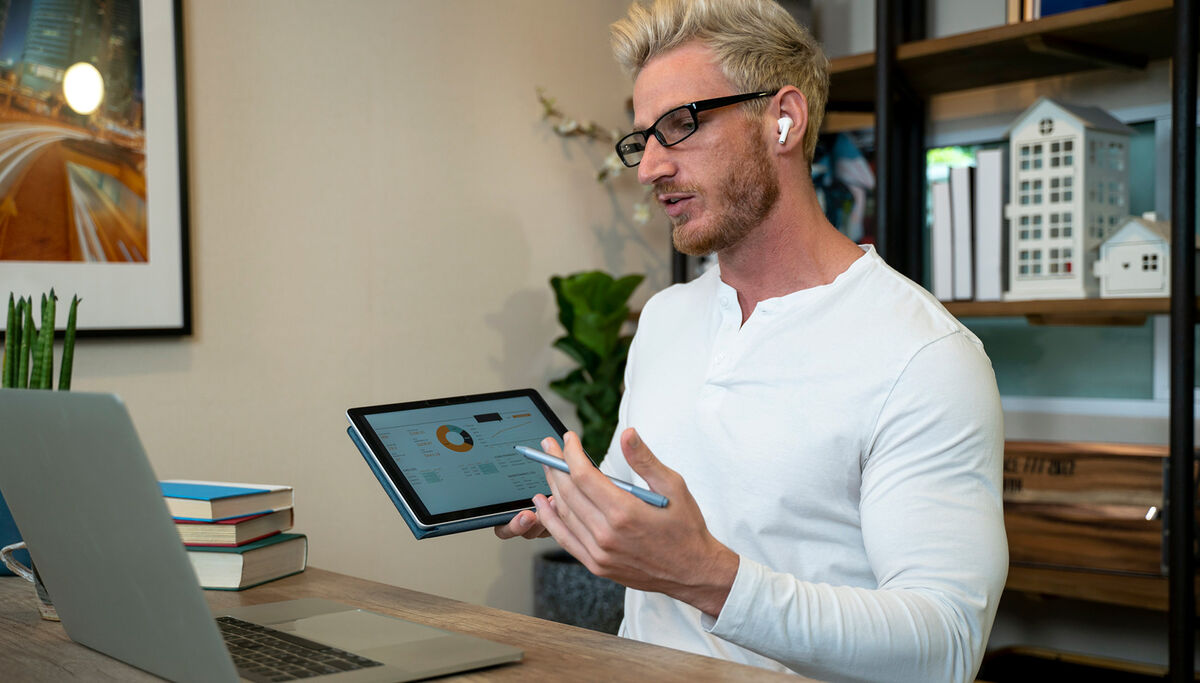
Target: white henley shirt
[(847, 443)]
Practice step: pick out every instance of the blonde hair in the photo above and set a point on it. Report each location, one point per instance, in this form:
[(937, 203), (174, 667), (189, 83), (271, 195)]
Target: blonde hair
[(759, 46)]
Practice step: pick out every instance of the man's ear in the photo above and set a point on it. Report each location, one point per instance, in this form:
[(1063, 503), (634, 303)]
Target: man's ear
[(789, 110)]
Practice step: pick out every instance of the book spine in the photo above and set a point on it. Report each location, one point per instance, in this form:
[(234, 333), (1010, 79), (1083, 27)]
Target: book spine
[(942, 243), (962, 209), (989, 224)]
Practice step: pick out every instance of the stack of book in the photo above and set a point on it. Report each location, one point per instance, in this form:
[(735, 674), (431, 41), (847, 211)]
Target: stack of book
[(236, 534), (967, 238)]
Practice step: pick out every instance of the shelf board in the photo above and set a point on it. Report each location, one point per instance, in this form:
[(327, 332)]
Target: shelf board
[(1124, 34), (1067, 311)]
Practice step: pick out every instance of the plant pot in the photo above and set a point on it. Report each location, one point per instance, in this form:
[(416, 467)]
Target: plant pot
[(566, 592)]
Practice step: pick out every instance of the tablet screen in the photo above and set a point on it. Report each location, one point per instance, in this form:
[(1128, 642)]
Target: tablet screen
[(453, 458)]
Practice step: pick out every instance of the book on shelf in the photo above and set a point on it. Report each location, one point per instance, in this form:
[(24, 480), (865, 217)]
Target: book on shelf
[(941, 241), (962, 214), (1013, 13), (216, 500), (1036, 9), (236, 531), (1047, 8), (246, 566), (989, 225)]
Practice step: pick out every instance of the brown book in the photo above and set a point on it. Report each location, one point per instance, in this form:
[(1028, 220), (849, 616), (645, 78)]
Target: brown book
[(233, 532)]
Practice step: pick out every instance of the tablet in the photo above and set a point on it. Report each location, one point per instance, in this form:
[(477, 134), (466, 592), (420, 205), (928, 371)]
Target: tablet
[(449, 464)]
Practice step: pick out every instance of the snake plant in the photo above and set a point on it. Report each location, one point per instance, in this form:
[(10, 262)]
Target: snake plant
[(29, 352)]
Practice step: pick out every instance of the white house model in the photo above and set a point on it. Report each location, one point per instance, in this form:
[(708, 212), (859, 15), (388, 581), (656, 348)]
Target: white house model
[(1135, 260), (1069, 189)]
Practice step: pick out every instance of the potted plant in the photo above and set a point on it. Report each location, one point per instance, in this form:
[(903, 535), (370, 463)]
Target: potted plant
[(592, 307), (29, 364)]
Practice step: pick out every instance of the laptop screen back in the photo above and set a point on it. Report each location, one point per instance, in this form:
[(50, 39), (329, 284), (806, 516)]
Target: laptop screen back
[(87, 502)]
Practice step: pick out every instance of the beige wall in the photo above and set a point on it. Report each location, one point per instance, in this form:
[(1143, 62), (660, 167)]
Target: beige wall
[(376, 210)]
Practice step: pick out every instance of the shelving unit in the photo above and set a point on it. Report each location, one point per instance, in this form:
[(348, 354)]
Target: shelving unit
[(1067, 311), (901, 75), (1121, 34)]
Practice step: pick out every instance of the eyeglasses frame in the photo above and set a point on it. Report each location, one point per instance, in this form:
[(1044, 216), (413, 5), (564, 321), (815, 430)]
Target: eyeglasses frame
[(693, 108)]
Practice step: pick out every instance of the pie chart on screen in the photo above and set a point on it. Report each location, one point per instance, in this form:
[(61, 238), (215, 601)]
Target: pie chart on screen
[(455, 438)]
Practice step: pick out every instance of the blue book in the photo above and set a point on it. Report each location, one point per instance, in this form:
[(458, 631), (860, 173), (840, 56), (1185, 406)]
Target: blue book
[(1050, 7), (215, 500)]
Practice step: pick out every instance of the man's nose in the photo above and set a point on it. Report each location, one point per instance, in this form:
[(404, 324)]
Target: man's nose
[(656, 163)]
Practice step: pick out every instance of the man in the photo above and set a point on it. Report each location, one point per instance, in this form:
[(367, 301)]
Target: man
[(828, 435)]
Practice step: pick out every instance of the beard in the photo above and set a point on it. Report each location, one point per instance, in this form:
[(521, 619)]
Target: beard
[(748, 192)]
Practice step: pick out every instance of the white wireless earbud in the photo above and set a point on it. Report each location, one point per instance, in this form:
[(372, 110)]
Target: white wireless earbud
[(785, 125)]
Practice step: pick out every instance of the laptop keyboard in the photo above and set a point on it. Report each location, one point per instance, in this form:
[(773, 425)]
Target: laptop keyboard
[(264, 654)]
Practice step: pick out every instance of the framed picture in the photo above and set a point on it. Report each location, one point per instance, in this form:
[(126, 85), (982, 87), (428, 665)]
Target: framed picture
[(93, 169)]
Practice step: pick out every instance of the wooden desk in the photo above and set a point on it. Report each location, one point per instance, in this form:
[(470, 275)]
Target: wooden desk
[(33, 650)]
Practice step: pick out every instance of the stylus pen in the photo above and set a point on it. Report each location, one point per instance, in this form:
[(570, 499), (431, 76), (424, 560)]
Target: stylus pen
[(561, 465)]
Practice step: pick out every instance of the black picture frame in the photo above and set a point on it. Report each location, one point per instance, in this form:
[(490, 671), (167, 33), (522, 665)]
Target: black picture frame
[(149, 293)]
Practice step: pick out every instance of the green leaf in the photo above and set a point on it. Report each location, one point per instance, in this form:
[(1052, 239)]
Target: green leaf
[(23, 356), (10, 345), (578, 352), (68, 360), (566, 307)]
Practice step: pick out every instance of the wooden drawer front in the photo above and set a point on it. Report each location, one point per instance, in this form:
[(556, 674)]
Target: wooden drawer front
[(1092, 506), (1099, 537)]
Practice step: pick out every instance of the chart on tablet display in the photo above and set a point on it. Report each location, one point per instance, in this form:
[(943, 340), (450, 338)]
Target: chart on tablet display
[(463, 454)]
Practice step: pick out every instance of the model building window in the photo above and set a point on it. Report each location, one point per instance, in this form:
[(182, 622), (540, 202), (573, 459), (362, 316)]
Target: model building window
[(1116, 156), (1024, 157), (1061, 153), (1031, 228), (1060, 261), (1030, 262), (1037, 156), (1149, 261)]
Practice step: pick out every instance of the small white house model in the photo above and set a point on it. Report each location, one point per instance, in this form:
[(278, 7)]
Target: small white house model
[(1069, 189), (1135, 260)]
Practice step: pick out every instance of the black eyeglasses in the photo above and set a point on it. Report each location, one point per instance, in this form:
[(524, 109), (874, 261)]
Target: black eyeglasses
[(675, 126)]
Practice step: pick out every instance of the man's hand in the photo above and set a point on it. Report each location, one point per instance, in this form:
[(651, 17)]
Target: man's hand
[(615, 535), (525, 524)]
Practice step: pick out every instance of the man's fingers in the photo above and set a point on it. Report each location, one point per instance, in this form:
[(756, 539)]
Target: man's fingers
[(558, 529), (524, 523)]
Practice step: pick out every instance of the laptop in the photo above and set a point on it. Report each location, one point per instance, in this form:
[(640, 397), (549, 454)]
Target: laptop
[(88, 505)]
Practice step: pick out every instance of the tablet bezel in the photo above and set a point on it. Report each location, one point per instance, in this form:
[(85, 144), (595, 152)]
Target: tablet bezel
[(412, 501)]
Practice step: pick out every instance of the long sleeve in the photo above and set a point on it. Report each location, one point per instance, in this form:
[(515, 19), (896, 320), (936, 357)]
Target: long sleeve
[(933, 532)]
